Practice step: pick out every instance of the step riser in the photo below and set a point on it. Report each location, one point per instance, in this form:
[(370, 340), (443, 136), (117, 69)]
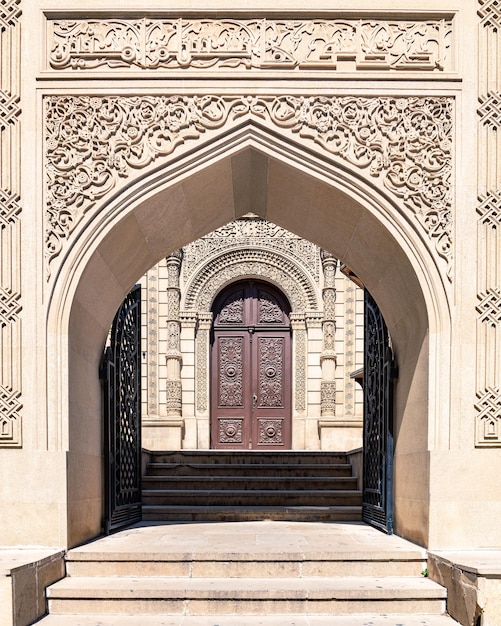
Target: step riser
[(244, 569), (252, 457), (210, 606), (173, 469), (249, 484), (251, 499), (251, 515)]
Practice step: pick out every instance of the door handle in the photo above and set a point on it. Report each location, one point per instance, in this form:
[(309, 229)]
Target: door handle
[(254, 400)]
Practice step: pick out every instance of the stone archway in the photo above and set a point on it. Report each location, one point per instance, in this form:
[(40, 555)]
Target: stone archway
[(305, 193)]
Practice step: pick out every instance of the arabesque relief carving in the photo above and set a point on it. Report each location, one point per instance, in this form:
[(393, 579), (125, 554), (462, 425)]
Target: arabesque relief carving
[(250, 44), (403, 143)]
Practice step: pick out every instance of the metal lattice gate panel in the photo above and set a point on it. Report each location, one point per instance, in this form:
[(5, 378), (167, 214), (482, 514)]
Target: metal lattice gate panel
[(378, 420), (122, 374)]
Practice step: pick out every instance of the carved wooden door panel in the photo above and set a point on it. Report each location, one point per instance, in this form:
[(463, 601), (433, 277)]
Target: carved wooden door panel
[(251, 369)]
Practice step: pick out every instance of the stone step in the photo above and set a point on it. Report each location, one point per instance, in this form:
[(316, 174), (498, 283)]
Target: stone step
[(246, 596), (240, 565), (256, 497), (249, 620), (237, 457), (243, 483), (193, 513), (250, 469)]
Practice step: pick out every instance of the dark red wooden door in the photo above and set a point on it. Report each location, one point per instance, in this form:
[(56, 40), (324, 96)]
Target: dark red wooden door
[(251, 369)]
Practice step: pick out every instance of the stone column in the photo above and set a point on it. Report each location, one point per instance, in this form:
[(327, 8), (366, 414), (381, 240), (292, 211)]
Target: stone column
[(328, 356), (173, 355)]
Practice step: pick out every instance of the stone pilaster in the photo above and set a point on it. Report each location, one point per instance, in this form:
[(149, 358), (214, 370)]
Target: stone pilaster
[(298, 325), (488, 405), (202, 362), (328, 356), (10, 225), (173, 354)]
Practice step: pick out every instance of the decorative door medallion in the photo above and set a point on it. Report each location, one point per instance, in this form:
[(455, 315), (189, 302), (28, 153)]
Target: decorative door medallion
[(251, 369)]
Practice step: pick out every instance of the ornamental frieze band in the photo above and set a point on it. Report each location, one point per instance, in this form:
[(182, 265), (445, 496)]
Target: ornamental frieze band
[(250, 44), (403, 143)]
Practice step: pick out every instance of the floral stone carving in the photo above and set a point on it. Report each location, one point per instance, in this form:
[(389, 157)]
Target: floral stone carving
[(93, 142)]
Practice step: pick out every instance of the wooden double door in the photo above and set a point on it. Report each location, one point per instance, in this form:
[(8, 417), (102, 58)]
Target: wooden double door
[(251, 368)]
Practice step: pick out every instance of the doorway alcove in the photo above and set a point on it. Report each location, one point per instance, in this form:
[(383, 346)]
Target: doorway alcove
[(246, 171)]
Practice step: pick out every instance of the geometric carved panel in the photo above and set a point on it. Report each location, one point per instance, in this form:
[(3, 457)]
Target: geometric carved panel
[(10, 418), (489, 208), (489, 110), (488, 426), (490, 13), (489, 307)]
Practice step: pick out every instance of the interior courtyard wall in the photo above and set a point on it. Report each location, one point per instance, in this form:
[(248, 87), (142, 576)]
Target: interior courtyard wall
[(445, 327), (313, 425)]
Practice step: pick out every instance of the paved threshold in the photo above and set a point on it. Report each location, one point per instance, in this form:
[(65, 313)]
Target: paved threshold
[(243, 620), (259, 539)]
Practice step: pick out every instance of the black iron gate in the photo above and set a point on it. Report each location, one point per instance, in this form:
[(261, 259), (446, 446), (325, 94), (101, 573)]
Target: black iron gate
[(122, 385), (378, 420)]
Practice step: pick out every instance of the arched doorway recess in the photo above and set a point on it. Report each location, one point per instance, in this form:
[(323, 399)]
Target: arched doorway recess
[(251, 363), (310, 196)]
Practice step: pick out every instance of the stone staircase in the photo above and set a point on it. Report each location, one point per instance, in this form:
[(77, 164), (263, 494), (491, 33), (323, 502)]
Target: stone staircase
[(247, 573), (250, 485), (244, 538)]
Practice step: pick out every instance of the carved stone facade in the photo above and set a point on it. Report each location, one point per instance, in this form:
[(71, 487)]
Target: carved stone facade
[(253, 247), (127, 132)]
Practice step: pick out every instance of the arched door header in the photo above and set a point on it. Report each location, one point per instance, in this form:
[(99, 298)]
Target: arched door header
[(252, 263)]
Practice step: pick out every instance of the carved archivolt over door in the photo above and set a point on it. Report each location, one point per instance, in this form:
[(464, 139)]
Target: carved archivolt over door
[(209, 278)]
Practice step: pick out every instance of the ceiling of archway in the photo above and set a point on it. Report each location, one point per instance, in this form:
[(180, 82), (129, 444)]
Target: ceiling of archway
[(403, 144)]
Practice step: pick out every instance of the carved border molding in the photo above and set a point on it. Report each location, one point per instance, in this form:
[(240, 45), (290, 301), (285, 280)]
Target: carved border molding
[(488, 405), (403, 144), (10, 226), (250, 44)]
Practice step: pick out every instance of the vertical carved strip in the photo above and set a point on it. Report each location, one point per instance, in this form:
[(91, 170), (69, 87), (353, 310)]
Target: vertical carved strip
[(299, 336), (349, 348), (173, 357), (152, 335), (488, 405), (202, 361), (10, 227), (328, 357)]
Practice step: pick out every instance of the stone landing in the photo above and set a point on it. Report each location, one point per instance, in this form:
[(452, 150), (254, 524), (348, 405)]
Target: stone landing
[(261, 572)]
